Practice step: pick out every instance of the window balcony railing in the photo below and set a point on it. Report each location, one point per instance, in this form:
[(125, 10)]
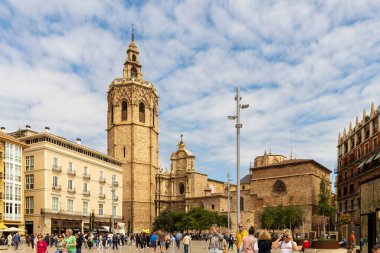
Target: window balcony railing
[(116, 198), (56, 168), (71, 172), (56, 187), (86, 193), (71, 190), (86, 176), (115, 183), (102, 196), (102, 180)]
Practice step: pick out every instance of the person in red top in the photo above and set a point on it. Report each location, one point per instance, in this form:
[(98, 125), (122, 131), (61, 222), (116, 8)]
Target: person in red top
[(305, 245), (352, 239), (42, 246)]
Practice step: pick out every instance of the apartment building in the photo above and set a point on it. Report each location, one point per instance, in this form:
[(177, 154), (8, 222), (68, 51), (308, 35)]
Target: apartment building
[(12, 167), (358, 161), (65, 182)]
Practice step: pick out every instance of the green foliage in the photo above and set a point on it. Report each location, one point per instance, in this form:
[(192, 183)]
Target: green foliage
[(196, 219), (280, 217), (325, 205)]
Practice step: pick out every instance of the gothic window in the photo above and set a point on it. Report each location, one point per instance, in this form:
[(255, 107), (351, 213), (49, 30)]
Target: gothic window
[(133, 72), (279, 187), (241, 204), (153, 117), (142, 112), (133, 57), (181, 188), (111, 114), (124, 110)]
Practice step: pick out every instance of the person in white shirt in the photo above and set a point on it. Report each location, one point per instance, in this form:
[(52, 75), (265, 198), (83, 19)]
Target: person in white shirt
[(285, 242)]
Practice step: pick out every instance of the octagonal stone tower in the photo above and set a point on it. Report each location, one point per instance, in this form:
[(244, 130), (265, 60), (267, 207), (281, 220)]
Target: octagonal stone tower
[(132, 131)]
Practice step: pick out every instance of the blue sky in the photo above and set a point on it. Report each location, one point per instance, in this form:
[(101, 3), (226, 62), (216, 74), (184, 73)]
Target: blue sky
[(307, 68)]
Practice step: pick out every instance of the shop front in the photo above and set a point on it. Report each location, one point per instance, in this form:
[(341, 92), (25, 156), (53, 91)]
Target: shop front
[(370, 213)]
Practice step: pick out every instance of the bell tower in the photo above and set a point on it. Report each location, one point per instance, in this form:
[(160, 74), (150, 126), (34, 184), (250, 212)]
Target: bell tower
[(132, 136)]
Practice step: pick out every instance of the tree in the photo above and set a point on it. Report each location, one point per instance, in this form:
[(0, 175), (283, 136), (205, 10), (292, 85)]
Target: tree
[(325, 207), (280, 217)]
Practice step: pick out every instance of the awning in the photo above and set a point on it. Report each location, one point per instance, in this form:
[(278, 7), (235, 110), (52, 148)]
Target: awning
[(377, 157), (362, 163), (2, 226), (371, 158)]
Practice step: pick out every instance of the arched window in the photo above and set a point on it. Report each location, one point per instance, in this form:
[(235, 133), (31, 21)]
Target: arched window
[(154, 116), (241, 204), (279, 187), (133, 72), (111, 114), (142, 112), (124, 110), (133, 57), (181, 188)]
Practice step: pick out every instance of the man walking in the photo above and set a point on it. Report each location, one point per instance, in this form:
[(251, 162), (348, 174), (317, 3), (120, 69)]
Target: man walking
[(115, 241), (16, 240), (240, 234), (186, 243), (178, 238)]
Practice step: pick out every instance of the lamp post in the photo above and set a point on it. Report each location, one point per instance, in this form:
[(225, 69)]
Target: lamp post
[(238, 125), (113, 189), (228, 187)]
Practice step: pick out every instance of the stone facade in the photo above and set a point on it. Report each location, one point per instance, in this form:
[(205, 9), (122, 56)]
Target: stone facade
[(132, 126), (277, 182)]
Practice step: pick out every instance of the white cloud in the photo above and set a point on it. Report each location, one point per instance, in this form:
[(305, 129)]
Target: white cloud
[(305, 68)]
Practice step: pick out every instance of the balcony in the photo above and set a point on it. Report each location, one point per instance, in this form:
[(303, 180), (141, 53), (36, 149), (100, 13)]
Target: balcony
[(86, 176), (102, 180), (102, 196), (56, 168), (71, 190), (115, 183), (336, 171), (86, 193), (56, 187), (71, 173), (116, 198)]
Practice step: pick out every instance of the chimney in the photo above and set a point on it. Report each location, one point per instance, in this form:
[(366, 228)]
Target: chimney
[(2, 129), (47, 130), (79, 141), (27, 127)]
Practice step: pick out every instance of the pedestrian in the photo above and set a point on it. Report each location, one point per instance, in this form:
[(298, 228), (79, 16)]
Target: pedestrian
[(249, 242), (285, 242), (230, 243), (305, 245), (32, 238), (70, 241), (59, 244), (178, 238), (41, 245), (265, 242), (161, 239), (376, 249), (153, 242), (16, 240), (240, 234), (79, 241), (216, 240), (352, 239), (114, 242), (186, 243)]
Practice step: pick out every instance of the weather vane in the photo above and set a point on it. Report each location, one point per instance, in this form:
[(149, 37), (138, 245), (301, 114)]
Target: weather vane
[(133, 33)]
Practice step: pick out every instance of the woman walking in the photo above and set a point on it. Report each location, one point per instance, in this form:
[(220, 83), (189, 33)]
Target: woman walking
[(216, 240), (71, 241), (265, 242), (249, 242), (42, 246)]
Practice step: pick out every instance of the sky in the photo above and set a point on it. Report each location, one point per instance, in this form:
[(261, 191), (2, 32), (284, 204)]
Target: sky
[(306, 68)]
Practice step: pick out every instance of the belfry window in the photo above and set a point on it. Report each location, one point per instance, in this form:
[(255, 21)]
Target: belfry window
[(142, 112), (133, 72), (124, 110), (133, 57), (111, 114)]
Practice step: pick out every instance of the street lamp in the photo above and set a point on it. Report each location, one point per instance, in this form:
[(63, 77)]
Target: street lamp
[(229, 209), (238, 126)]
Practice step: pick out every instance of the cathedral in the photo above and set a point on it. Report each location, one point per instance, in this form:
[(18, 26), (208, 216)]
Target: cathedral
[(132, 135)]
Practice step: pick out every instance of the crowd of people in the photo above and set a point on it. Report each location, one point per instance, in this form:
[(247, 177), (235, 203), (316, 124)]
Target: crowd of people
[(217, 241)]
